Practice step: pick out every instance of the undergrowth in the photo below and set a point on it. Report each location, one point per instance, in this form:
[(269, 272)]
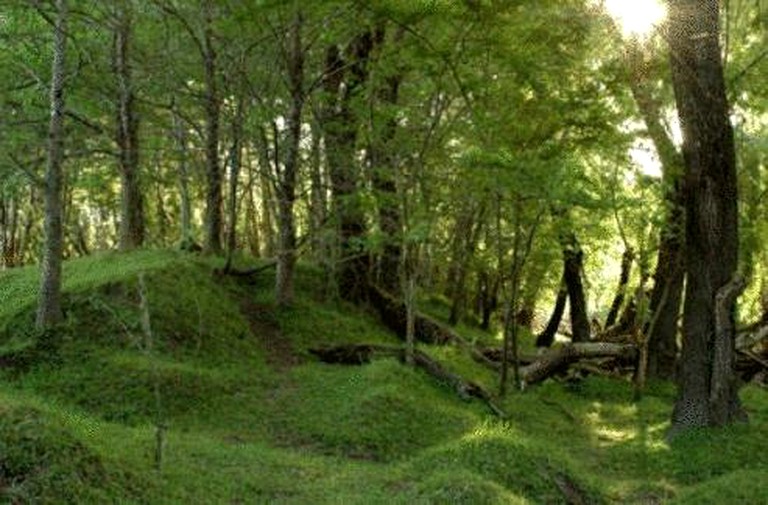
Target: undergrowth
[(251, 417)]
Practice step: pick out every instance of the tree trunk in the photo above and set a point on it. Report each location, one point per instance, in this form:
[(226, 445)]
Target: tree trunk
[(384, 165), (669, 275), (463, 250), (49, 304), (185, 205), (707, 389), (132, 202), (286, 187), (342, 83), (235, 164), (573, 260), (547, 337), (213, 195), (626, 269)]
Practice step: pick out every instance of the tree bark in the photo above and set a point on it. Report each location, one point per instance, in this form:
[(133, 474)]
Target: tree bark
[(573, 261), (185, 205), (127, 138), (286, 187), (235, 164), (213, 195), (342, 83), (668, 278), (626, 269), (49, 303), (707, 393), (547, 337)]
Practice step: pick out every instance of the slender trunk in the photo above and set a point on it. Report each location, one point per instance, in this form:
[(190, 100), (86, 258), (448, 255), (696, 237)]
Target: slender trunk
[(49, 304), (286, 188), (707, 387), (488, 296), (180, 137), (251, 219), (317, 209), (132, 204), (213, 196), (464, 249), (235, 163)]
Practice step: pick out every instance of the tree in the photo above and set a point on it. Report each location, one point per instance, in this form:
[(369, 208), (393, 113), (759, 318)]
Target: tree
[(288, 175), (132, 204), (707, 388), (49, 303)]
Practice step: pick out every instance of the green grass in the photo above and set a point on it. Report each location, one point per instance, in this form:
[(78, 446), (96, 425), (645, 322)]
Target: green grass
[(250, 417)]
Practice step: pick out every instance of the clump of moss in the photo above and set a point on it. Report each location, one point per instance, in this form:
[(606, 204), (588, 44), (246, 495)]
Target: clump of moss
[(41, 462)]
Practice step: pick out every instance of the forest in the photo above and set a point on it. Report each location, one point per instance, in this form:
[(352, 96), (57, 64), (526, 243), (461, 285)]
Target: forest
[(384, 251)]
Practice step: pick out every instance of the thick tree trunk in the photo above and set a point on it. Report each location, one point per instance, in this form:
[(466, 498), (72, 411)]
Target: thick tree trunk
[(384, 167), (49, 304), (573, 261), (707, 390), (286, 188), (342, 83), (132, 201), (547, 337)]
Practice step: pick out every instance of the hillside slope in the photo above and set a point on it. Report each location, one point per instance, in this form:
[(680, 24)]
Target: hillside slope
[(222, 403)]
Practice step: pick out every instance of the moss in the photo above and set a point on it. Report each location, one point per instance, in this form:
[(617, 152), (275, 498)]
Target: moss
[(41, 462)]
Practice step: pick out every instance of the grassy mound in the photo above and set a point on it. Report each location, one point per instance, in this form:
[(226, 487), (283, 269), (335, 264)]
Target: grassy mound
[(458, 487), (41, 462), (510, 460), (741, 486), (379, 412)]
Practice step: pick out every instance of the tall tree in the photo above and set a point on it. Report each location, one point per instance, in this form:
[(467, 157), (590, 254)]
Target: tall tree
[(132, 201), (49, 303), (707, 389), (288, 174)]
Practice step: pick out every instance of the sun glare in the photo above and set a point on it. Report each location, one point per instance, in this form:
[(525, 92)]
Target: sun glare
[(636, 18)]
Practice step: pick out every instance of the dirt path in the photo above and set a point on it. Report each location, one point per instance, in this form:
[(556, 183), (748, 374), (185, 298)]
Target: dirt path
[(278, 350)]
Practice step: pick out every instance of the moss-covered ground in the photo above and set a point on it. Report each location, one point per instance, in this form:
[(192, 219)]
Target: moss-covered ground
[(224, 404)]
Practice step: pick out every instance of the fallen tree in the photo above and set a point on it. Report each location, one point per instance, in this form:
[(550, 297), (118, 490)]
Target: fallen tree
[(394, 315), (559, 358)]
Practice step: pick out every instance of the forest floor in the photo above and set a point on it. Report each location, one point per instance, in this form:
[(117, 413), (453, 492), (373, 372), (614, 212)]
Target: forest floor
[(223, 403)]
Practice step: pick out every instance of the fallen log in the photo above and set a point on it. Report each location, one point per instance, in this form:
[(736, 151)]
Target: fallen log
[(358, 354), (558, 358), (393, 313)]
